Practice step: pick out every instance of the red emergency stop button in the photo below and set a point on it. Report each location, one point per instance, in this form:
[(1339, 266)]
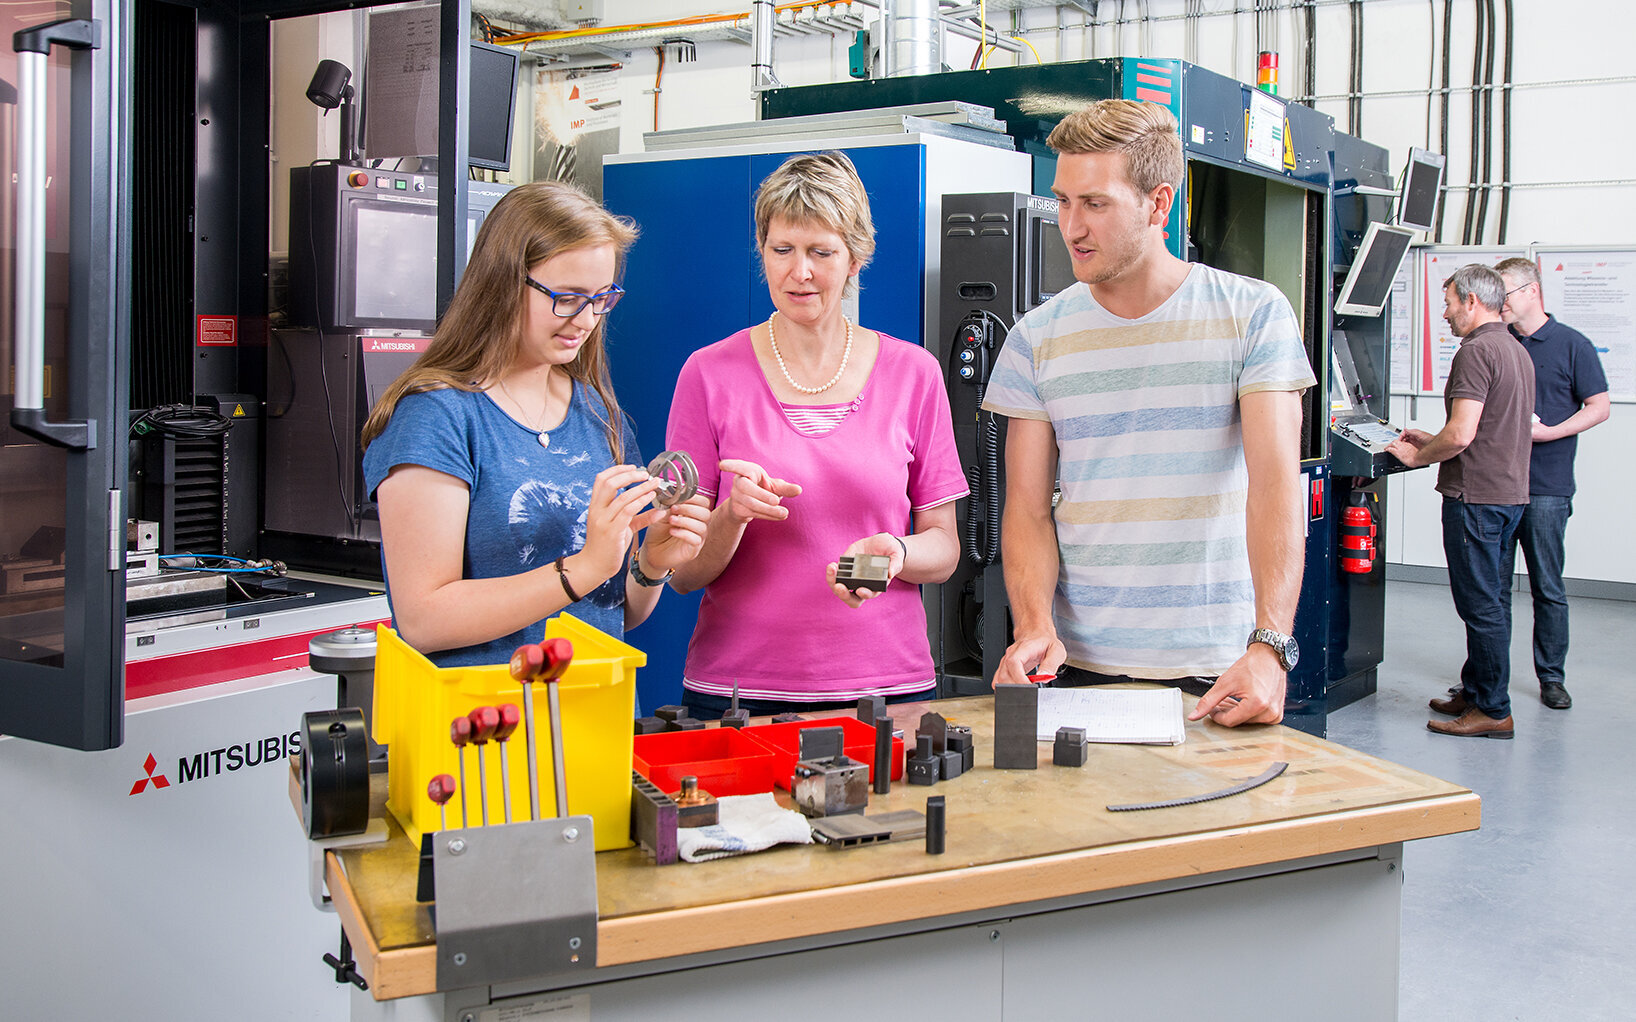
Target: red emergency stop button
[(358, 179)]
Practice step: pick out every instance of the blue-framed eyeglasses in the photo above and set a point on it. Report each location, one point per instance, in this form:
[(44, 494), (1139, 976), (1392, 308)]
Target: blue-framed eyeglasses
[(568, 304)]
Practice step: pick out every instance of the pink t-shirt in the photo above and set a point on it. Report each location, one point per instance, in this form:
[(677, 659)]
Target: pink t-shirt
[(770, 621)]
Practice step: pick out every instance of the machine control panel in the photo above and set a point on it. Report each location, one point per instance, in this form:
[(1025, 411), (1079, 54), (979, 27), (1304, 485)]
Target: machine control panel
[(1358, 448)]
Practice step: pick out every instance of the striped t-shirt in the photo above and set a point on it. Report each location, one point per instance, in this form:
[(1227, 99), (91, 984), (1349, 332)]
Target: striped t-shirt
[(1154, 579)]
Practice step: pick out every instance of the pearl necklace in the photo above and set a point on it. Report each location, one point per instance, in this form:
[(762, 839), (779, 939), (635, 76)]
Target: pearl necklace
[(846, 354), (542, 435)]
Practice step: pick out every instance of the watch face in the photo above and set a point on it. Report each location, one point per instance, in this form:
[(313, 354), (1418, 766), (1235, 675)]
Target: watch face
[(1291, 654)]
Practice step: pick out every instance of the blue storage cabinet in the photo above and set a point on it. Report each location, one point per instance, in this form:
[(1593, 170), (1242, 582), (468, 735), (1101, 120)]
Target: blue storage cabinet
[(693, 278)]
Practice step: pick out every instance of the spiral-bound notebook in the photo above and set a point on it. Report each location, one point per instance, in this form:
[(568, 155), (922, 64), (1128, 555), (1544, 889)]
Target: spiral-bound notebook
[(1130, 716)]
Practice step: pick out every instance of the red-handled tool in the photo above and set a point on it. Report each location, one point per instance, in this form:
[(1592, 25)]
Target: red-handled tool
[(485, 720), (510, 717), (543, 661), (440, 791), (460, 734)]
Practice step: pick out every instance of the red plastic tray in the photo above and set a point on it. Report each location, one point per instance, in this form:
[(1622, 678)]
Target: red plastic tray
[(724, 761), (857, 740)]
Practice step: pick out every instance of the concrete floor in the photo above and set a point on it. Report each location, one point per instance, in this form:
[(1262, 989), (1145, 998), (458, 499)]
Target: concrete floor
[(1530, 917)]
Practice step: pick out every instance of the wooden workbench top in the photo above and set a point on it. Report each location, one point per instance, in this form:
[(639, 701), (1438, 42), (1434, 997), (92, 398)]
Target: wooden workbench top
[(1014, 836)]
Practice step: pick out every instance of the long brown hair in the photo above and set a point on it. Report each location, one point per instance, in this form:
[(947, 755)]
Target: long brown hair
[(481, 334)]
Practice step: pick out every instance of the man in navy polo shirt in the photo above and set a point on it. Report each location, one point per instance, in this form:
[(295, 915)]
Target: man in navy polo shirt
[(1570, 396)]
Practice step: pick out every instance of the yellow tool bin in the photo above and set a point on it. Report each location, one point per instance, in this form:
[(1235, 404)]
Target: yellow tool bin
[(415, 701)]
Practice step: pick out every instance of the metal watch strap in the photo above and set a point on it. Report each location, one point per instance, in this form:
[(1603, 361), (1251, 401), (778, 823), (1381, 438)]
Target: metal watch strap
[(1278, 641), (642, 579)]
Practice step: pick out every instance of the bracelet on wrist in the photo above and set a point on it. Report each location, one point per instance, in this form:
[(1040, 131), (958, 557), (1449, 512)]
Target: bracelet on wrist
[(901, 545), (641, 578), (562, 576)]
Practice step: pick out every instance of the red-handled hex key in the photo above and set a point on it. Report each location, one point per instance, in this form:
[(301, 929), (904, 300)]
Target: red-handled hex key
[(485, 720), (543, 661), (460, 734), (510, 717), (440, 791)]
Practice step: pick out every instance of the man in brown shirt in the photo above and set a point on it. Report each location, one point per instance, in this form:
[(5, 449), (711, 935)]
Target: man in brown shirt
[(1483, 477)]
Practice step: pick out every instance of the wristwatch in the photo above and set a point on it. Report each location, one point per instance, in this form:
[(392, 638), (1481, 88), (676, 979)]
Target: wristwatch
[(642, 579), (1289, 654)]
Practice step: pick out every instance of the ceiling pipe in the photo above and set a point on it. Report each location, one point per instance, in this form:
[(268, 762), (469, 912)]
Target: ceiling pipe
[(913, 43), (762, 19)]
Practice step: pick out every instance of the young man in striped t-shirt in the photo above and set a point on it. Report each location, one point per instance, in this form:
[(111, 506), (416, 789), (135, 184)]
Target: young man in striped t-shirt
[(1166, 397)]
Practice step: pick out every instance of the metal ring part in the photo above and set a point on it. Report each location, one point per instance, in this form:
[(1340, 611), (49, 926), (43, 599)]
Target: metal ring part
[(678, 477)]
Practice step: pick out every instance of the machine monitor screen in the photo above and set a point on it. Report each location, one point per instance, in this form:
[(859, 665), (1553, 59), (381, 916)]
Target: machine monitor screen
[(1053, 270), (494, 99), (1422, 180), (395, 264), (1369, 282)]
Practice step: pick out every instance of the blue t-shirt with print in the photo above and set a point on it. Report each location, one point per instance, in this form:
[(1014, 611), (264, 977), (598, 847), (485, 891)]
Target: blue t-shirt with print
[(528, 502)]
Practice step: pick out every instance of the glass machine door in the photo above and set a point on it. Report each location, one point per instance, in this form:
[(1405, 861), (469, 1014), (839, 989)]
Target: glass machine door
[(63, 392)]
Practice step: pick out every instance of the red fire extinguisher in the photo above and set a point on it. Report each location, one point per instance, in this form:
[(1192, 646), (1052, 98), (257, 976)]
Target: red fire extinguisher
[(1357, 539)]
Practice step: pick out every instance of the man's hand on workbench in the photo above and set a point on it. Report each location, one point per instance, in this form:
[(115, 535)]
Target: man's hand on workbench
[(1030, 654), (1249, 692)]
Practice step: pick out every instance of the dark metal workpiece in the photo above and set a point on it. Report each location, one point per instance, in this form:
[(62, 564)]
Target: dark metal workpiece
[(735, 717), (653, 820), (822, 744), (787, 718), (850, 831), (934, 825), (670, 712), (684, 724), (937, 729), (863, 571), (883, 754), (960, 740), (950, 765), (1238, 789), (923, 767), (1016, 719), (649, 725), (831, 787), (1070, 748), (870, 708)]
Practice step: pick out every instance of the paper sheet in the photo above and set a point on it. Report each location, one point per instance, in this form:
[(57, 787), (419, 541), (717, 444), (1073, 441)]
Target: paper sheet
[(1133, 716)]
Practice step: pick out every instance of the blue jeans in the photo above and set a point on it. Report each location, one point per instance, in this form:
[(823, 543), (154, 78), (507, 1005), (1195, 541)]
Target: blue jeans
[(1542, 536), (1477, 540)]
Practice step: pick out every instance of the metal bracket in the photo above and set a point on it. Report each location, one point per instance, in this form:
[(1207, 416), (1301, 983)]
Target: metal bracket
[(515, 901), (375, 835)]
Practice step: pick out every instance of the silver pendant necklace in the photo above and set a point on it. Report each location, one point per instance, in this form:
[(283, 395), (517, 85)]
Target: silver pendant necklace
[(539, 433)]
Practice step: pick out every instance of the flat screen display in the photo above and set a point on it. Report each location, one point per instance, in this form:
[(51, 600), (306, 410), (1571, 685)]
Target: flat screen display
[(1417, 200), (493, 99), (1053, 269), (1369, 282), (395, 263)]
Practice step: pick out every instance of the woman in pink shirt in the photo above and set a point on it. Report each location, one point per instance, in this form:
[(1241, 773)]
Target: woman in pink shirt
[(815, 438)]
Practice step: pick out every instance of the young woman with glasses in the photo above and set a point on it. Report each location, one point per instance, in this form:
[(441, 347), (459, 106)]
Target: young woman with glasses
[(815, 438), (505, 473)]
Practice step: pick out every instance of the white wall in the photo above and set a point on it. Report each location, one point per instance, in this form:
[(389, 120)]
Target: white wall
[(1563, 133)]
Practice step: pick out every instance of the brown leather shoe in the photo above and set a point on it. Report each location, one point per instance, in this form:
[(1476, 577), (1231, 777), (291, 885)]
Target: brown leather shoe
[(1454, 705), (1474, 723)]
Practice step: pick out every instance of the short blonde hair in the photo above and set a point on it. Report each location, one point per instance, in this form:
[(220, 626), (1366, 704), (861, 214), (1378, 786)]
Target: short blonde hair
[(1145, 132), (821, 189), (1523, 271)]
